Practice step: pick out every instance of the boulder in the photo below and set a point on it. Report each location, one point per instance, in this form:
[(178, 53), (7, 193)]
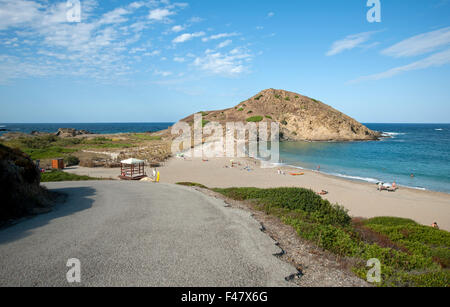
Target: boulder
[(71, 132), (20, 186)]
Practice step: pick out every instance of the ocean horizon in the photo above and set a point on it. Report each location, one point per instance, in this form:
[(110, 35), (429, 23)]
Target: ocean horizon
[(410, 148)]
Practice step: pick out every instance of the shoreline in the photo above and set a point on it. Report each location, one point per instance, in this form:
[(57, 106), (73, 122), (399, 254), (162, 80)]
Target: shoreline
[(349, 177), (362, 199)]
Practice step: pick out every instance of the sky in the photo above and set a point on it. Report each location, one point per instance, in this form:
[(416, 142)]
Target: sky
[(160, 60)]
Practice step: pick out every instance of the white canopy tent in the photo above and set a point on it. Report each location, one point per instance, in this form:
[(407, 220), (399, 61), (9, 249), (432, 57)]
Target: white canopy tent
[(132, 161), (132, 169)]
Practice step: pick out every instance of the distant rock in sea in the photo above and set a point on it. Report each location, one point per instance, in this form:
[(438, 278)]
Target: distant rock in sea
[(301, 118), (71, 132)]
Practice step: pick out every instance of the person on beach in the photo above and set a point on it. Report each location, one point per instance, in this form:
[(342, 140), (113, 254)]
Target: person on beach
[(435, 225)]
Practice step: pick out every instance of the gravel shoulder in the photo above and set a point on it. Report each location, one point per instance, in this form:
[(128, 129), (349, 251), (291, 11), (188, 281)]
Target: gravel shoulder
[(316, 267)]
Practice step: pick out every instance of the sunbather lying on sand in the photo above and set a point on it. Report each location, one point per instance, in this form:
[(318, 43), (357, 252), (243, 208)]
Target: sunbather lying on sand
[(387, 187), (323, 192)]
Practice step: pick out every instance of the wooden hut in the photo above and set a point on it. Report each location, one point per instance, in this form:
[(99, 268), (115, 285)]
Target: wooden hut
[(132, 169), (58, 164)]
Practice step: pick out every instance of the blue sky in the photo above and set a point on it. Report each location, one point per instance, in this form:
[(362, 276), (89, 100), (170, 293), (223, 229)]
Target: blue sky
[(159, 61)]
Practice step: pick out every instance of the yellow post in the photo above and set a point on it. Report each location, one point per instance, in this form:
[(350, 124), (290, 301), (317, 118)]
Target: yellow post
[(157, 176)]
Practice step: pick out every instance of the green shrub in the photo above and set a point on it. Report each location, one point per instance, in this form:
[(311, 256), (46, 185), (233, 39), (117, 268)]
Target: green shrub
[(417, 239), (71, 160), (241, 109), (426, 279), (55, 176), (287, 99), (146, 137), (48, 153), (316, 208), (268, 117), (192, 184), (422, 260), (389, 221), (259, 97), (255, 119), (249, 112)]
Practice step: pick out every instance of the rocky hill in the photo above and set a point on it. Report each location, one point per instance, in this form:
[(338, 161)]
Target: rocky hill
[(301, 118)]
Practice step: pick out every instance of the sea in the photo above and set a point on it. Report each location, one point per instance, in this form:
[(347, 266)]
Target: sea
[(412, 155)]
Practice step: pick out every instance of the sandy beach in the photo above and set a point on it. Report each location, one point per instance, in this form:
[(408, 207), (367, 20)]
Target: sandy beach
[(360, 198)]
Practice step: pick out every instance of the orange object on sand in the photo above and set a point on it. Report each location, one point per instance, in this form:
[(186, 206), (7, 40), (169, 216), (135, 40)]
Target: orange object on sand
[(297, 174)]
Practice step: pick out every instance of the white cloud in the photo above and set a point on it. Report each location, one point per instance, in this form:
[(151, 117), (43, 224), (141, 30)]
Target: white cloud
[(270, 14), (115, 16), (96, 47), (228, 64), (178, 28), (17, 13), (420, 44), (163, 73), (219, 36), (136, 5), (186, 37), (434, 60), (349, 42), (224, 44), (153, 53), (195, 19), (179, 59), (137, 50), (160, 14)]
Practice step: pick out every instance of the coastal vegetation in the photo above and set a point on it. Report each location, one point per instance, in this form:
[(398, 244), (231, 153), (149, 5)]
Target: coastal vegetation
[(255, 119), (20, 187), (50, 146), (56, 176), (192, 184), (410, 254), (71, 161)]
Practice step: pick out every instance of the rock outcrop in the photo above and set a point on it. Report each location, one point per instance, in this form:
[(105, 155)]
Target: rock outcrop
[(301, 118), (70, 132)]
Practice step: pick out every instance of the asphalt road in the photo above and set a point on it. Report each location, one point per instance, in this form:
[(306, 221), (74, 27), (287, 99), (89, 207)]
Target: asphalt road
[(139, 234)]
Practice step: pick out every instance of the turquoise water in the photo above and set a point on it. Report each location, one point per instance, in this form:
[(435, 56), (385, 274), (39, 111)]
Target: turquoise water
[(419, 149)]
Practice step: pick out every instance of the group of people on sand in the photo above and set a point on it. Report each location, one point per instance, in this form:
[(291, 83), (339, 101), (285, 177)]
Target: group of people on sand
[(387, 187)]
